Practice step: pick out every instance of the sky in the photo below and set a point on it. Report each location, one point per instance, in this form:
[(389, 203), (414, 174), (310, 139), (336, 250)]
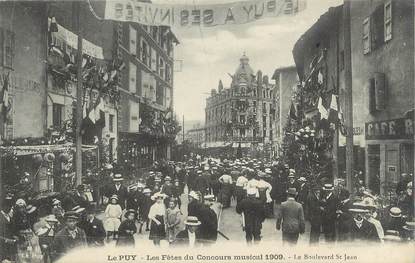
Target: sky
[(209, 54)]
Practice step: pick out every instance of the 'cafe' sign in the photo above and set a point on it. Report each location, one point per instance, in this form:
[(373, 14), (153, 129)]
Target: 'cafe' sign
[(391, 129)]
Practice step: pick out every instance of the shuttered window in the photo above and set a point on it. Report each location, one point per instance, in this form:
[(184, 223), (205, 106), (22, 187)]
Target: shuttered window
[(366, 35), (133, 78), (388, 21)]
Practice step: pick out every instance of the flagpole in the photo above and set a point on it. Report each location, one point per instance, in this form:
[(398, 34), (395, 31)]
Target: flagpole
[(76, 8), (348, 94)]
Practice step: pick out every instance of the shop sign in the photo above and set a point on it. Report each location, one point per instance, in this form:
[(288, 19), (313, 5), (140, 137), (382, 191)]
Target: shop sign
[(391, 129)]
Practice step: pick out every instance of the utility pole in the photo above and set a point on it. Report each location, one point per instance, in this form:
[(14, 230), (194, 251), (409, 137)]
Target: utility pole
[(183, 128), (76, 9), (348, 93)]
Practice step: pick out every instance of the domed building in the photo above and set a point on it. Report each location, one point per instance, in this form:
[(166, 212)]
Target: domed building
[(240, 119)]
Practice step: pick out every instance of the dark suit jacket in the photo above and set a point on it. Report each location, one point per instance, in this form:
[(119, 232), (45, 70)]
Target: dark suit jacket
[(63, 242), (314, 208), (182, 238), (292, 217), (366, 233), (330, 206), (254, 212), (208, 230), (94, 231)]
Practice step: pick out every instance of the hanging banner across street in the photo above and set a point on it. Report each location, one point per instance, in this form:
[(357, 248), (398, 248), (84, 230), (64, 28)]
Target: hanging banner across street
[(199, 15)]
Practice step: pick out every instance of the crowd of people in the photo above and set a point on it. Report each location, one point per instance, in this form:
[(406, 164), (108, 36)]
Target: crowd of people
[(153, 205)]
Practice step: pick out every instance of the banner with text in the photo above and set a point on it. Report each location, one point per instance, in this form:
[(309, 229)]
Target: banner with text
[(199, 15)]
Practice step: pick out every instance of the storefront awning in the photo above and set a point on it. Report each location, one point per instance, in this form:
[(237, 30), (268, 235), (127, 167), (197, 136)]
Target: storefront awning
[(21, 150)]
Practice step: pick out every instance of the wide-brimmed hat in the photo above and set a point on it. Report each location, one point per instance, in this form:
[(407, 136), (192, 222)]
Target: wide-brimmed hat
[(167, 178), (302, 179), (56, 201), (369, 203), (51, 218), (117, 178), (395, 212), (192, 221), (194, 195), (78, 209), (409, 226), (292, 171), (30, 209), (71, 215), (392, 235), (128, 212), (292, 191), (358, 208), (114, 197), (20, 202), (158, 195), (268, 170), (209, 198), (328, 187), (291, 176), (146, 191)]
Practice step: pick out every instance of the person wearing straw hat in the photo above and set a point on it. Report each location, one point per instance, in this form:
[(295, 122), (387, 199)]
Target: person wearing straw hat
[(69, 238), (392, 237), (113, 214), (370, 216), (330, 204), (360, 228), (127, 229), (57, 210), (315, 211), (253, 215), (118, 189), (395, 222), (409, 231), (157, 216), (46, 235), (291, 217), (190, 236), (264, 190), (194, 206), (240, 185)]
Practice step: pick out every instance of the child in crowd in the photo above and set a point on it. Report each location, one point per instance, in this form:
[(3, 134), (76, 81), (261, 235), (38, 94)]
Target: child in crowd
[(173, 220), (113, 214)]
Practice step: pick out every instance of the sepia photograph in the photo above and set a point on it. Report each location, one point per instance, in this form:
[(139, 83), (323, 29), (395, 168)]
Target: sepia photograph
[(207, 131)]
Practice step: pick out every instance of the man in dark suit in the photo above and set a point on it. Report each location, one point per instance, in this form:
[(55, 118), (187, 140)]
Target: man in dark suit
[(195, 206), (315, 213), (360, 228), (253, 212), (94, 229), (69, 238), (292, 218), (79, 197), (118, 189), (190, 236), (330, 206), (208, 230)]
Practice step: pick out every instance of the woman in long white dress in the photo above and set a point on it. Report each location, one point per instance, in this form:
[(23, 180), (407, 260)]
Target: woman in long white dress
[(113, 214)]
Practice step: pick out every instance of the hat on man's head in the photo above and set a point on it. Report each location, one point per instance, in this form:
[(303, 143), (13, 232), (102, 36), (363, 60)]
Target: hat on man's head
[(194, 195), (56, 201), (117, 178), (209, 198), (114, 197), (409, 226), (80, 187), (291, 191), (192, 221), (395, 212), (167, 178), (268, 170), (51, 218), (358, 208), (328, 187), (146, 191), (78, 209), (20, 202), (158, 195), (302, 179), (292, 171), (71, 215)]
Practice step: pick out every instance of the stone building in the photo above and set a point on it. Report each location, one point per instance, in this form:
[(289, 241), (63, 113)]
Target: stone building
[(242, 117), (286, 81), (196, 136)]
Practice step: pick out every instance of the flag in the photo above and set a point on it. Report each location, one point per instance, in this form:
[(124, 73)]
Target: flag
[(334, 110), (5, 93), (324, 113), (293, 114)]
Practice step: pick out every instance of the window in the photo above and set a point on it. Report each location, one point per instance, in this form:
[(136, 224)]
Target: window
[(388, 21), (133, 41), (133, 78), (161, 67), (111, 123), (242, 132), (134, 120), (366, 36), (144, 52), (7, 48), (153, 60), (254, 105), (57, 110), (242, 119)]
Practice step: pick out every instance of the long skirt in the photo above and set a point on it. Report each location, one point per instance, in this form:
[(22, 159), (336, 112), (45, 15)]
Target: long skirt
[(157, 231), (225, 195)]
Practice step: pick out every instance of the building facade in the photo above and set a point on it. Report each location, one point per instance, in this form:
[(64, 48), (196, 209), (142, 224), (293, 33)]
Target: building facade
[(286, 81), (196, 136), (146, 122), (382, 42), (243, 115)]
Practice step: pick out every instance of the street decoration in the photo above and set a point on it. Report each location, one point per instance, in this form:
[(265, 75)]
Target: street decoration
[(200, 15)]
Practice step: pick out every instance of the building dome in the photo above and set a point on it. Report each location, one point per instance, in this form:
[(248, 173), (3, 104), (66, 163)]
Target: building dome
[(244, 72)]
